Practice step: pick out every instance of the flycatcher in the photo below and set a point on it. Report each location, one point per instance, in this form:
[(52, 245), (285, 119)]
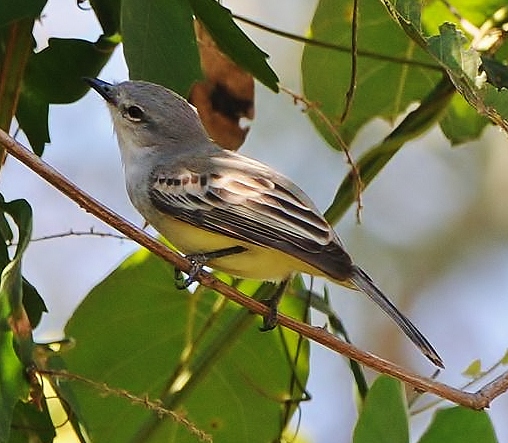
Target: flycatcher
[(243, 216)]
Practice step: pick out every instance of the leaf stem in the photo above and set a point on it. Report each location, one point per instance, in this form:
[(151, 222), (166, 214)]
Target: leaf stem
[(336, 47)]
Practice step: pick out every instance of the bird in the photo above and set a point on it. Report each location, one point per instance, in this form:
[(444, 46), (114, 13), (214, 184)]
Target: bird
[(236, 214)]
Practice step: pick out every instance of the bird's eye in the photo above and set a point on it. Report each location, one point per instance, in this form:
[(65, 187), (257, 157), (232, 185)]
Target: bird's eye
[(134, 113)]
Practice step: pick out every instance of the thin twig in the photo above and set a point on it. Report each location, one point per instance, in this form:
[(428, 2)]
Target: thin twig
[(153, 405), (340, 142), (71, 233), (479, 400), (488, 372), (354, 59)]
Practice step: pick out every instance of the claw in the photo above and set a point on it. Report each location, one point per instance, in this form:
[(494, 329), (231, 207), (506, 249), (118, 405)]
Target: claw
[(200, 260), (270, 319)]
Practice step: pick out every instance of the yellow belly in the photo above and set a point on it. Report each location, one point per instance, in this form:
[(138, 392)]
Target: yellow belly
[(257, 262)]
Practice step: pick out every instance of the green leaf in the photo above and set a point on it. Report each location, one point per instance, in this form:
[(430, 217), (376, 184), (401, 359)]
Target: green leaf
[(31, 424), (384, 414), (476, 12), (15, 345), (233, 42), (461, 122), (474, 370), (6, 235), (108, 14), (384, 88), (462, 66), (451, 49), (55, 76), (11, 284), (376, 158), (321, 303), (159, 43), (11, 10), (13, 385), (459, 425), (32, 114), (197, 352), (497, 72), (504, 360), (64, 391), (33, 303)]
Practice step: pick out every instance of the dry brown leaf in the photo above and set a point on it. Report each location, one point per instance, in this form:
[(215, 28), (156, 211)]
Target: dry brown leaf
[(225, 96)]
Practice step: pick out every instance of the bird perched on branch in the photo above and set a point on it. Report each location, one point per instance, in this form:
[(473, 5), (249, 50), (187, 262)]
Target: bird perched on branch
[(223, 209)]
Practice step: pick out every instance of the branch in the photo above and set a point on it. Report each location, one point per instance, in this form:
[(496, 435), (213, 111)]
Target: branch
[(152, 405), (479, 400), (355, 172), (354, 63), (71, 233)]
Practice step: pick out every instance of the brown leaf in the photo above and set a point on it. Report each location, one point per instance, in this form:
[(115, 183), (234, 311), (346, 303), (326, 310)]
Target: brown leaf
[(20, 325), (225, 96)]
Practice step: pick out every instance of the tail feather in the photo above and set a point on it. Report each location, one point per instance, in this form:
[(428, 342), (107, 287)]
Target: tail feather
[(363, 282)]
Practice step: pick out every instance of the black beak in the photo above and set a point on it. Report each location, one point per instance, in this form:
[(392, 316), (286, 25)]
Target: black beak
[(105, 89)]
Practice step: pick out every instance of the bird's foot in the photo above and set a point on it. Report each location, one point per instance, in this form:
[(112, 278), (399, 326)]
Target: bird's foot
[(200, 260), (270, 319)]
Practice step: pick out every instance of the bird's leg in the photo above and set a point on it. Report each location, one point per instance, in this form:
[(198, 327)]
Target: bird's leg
[(200, 260), (270, 320)]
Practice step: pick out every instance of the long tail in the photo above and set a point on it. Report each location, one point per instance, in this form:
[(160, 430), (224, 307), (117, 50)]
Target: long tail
[(363, 282)]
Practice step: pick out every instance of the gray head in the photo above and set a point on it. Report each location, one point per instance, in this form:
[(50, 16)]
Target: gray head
[(147, 115)]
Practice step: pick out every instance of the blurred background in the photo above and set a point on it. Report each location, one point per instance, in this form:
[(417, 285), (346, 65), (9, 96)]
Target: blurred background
[(434, 230)]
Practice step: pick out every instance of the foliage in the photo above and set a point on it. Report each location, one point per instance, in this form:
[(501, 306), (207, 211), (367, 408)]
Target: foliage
[(181, 348), (384, 419), (200, 356), (20, 311)]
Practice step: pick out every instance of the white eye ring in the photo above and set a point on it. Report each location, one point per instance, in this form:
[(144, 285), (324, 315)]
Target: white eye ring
[(134, 113)]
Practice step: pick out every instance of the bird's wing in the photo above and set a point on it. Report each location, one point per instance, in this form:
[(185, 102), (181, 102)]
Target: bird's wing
[(247, 201), (244, 199)]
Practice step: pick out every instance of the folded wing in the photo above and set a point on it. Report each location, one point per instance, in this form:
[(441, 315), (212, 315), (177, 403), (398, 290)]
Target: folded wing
[(247, 201)]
